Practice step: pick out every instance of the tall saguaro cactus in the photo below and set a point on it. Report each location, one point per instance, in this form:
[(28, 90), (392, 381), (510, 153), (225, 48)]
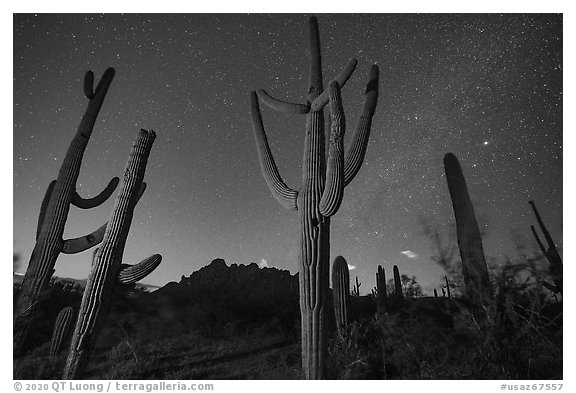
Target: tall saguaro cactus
[(474, 268), (341, 293), (107, 262), (54, 212), (551, 253), (323, 182)]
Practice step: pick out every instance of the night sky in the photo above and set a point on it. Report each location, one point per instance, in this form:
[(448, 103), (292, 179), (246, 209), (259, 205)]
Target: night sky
[(485, 87)]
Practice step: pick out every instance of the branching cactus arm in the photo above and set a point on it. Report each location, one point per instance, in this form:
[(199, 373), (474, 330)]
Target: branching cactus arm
[(334, 188), (321, 101), (130, 274), (89, 203), (280, 191), (82, 243), (357, 149), (282, 106)]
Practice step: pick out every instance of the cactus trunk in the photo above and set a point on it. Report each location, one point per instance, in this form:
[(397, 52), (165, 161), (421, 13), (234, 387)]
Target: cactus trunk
[(107, 262), (341, 293), (53, 216), (475, 270)]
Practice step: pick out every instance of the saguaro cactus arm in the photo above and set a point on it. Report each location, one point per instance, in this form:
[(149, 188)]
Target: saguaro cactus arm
[(547, 236), (282, 106), (540, 244), (44, 205), (280, 191), (130, 274), (82, 243), (102, 85), (89, 203), (357, 149), (551, 253), (321, 101), (334, 188)]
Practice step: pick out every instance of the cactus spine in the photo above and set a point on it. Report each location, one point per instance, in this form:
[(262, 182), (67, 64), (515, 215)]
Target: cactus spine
[(323, 182), (381, 296), (551, 253), (475, 270), (341, 293), (54, 212), (61, 330), (107, 263)]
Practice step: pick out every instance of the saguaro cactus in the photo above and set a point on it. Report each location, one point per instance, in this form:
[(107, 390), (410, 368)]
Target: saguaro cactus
[(323, 182), (474, 268), (54, 212), (397, 283), (107, 262), (382, 298), (61, 330), (447, 286), (551, 253), (341, 293)]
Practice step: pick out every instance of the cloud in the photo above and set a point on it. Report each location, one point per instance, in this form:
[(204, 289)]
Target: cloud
[(409, 254), (351, 267), (263, 263)]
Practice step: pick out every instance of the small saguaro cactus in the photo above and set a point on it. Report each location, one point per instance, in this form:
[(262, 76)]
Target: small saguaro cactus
[(381, 296), (551, 253), (61, 329), (474, 268), (397, 284), (356, 288), (323, 182), (447, 286), (54, 212), (341, 293), (106, 267)]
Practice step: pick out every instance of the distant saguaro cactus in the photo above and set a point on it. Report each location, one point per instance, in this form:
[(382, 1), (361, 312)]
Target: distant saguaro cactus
[(61, 329), (474, 268), (397, 284), (381, 296), (107, 263), (341, 292), (54, 212), (551, 253), (322, 187)]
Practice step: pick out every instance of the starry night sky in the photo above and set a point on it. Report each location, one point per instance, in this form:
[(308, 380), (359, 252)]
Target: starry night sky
[(485, 87)]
